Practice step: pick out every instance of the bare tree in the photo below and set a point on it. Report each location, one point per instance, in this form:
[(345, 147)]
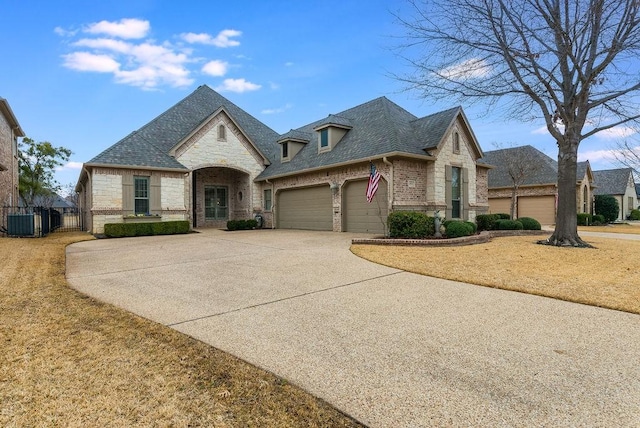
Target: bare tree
[(572, 63), (519, 163), (628, 156)]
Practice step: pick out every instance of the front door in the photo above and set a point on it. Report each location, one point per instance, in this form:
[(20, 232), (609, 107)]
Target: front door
[(216, 203)]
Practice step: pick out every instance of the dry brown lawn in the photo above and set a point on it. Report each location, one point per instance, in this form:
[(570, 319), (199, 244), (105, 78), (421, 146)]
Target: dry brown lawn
[(607, 276), (69, 360), (613, 228)]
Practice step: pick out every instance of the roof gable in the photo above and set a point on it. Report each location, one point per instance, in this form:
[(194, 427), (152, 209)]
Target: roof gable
[(6, 111), (378, 127), (545, 173), (612, 181), (152, 144)]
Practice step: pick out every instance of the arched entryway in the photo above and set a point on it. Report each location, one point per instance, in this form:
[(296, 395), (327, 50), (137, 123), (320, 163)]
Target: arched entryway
[(220, 194)]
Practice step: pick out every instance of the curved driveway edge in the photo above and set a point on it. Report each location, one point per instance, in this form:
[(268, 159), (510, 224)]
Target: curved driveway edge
[(388, 347)]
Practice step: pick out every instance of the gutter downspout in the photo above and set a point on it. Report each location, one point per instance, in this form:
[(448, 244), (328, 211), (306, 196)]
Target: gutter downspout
[(273, 205)]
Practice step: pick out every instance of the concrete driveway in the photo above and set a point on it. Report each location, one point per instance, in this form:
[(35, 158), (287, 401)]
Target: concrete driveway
[(388, 347)]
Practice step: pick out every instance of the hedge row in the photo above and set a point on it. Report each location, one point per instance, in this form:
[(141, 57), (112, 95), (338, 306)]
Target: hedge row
[(118, 230), (635, 215), (242, 224)]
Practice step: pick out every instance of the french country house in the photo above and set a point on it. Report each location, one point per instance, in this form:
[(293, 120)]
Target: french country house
[(538, 189), (10, 130), (620, 184), (208, 161)]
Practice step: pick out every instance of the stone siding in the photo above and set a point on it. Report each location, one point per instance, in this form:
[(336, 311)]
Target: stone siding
[(8, 161), (104, 196), (238, 185)]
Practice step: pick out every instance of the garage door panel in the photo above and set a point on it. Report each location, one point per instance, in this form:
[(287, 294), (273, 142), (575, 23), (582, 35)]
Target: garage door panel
[(361, 216), (542, 208), (307, 208), (500, 205)]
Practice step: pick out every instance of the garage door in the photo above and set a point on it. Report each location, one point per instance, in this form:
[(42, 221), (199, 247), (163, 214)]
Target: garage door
[(360, 215), (499, 205), (309, 208), (542, 208)]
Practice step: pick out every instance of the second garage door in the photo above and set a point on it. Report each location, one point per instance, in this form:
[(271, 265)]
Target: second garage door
[(360, 215), (308, 208), (542, 208)]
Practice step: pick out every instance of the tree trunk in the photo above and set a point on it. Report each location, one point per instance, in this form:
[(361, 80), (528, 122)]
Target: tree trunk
[(566, 231), (514, 194)]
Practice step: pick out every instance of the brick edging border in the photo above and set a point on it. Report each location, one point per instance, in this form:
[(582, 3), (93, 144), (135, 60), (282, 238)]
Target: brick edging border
[(480, 238)]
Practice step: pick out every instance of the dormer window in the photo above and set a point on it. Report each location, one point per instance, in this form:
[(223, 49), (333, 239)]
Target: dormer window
[(222, 133), (285, 150), (324, 138)]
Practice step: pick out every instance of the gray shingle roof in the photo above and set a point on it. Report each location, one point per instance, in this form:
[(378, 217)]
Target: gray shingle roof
[(375, 128), (546, 171), (378, 127), (150, 145), (612, 181)]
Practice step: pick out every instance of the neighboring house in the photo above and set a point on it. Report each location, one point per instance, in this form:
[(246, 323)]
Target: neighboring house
[(638, 194), (537, 195), (620, 184), (10, 130), (54, 201), (208, 161)]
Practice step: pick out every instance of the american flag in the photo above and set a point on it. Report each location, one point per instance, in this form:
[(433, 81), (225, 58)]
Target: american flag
[(372, 187)]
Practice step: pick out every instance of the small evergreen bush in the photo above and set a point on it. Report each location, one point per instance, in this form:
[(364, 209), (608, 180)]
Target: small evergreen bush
[(410, 224), (508, 225), (598, 219), (503, 216), (474, 227), (486, 221), (457, 229), (635, 215), (585, 219), (607, 206), (529, 223)]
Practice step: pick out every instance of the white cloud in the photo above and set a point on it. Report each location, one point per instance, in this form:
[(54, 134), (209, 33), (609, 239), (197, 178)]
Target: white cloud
[(274, 86), (237, 85), (222, 40), (105, 44), (469, 69), (64, 33), (147, 64), (617, 132), (70, 166), (540, 131), (288, 64), (277, 110), (215, 68), (126, 28), (86, 61)]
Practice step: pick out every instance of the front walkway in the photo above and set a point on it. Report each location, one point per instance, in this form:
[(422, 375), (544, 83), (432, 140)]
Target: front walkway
[(390, 348)]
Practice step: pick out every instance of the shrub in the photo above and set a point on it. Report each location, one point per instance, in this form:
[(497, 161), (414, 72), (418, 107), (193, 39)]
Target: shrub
[(486, 221), (585, 219), (635, 215), (410, 224), (598, 219), (508, 225), (503, 216), (529, 223), (607, 206), (456, 229), (118, 230), (241, 224), (474, 227)]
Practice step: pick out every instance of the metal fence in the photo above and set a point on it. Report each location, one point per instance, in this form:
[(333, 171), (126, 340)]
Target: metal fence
[(39, 221)]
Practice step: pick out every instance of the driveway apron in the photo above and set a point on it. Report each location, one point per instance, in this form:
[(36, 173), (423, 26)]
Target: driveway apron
[(388, 347)]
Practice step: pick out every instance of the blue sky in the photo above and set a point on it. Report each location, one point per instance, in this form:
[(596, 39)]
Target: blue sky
[(84, 74)]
